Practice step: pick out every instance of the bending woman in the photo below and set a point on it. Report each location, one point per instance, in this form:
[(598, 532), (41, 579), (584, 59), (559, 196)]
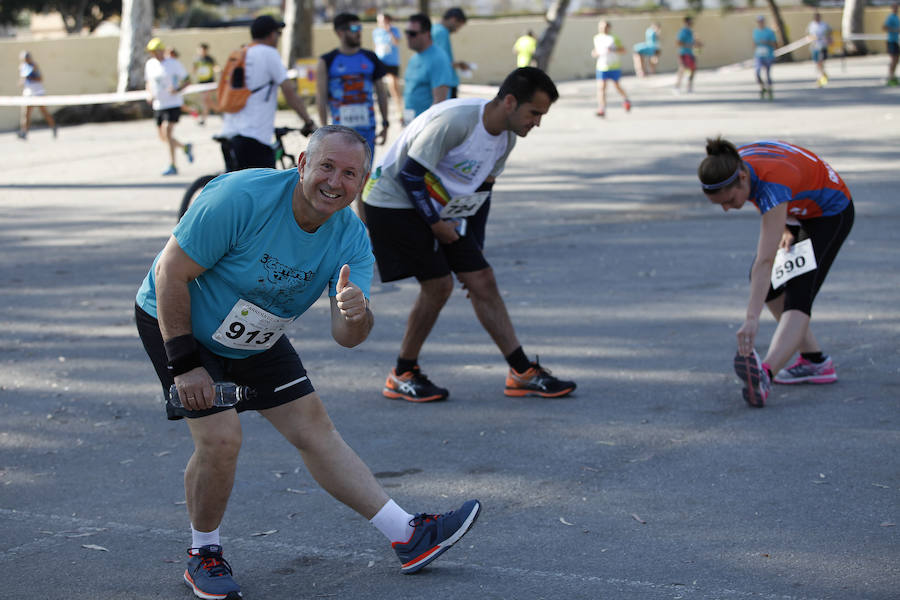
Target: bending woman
[(799, 197)]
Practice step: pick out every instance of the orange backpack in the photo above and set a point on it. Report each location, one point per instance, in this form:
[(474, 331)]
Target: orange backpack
[(232, 92)]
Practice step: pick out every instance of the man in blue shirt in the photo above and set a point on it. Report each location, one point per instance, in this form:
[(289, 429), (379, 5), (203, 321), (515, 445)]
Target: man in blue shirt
[(387, 38), (346, 78), (452, 21), (764, 43), (686, 60), (253, 253), (892, 27), (429, 74)]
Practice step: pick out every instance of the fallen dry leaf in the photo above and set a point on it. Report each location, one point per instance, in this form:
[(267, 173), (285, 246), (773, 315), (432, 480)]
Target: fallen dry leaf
[(263, 533), (564, 522), (94, 547), (638, 519)]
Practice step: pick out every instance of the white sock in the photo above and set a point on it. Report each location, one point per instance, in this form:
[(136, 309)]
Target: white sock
[(393, 522), (204, 538)]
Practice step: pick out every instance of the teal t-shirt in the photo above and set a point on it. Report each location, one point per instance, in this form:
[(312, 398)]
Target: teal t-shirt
[(425, 71), (893, 23), (440, 35), (761, 37), (242, 229), (686, 36)]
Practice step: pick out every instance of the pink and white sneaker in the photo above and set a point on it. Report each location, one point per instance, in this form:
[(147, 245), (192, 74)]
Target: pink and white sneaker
[(804, 371)]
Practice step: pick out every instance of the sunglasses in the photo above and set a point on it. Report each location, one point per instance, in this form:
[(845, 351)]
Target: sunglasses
[(412, 33), (352, 28)]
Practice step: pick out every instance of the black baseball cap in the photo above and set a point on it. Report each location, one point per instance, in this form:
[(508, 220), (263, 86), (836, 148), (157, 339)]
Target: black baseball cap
[(263, 25)]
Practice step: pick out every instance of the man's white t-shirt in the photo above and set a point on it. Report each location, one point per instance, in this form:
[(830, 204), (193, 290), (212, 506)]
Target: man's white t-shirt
[(448, 139), (820, 31), (263, 69), (164, 78)]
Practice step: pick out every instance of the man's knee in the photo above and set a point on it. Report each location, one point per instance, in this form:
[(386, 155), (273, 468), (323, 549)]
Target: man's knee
[(220, 439), (480, 284), (437, 289)]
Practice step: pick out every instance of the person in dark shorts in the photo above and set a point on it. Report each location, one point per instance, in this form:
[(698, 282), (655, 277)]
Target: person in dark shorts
[(165, 77), (891, 26), (426, 207), (803, 200), (214, 306)]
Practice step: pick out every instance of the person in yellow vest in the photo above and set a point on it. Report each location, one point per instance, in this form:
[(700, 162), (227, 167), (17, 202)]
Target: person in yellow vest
[(524, 49), (205, 70)]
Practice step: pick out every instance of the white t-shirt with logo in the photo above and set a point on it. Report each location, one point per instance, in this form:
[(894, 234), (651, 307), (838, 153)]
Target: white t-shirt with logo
[(164, 78), (449, 139), (263, 69)]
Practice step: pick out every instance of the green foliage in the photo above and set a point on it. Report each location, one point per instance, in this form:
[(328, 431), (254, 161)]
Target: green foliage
[(696, 6)]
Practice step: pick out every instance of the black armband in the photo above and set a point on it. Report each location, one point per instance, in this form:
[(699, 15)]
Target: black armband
[(182, 354), (487, 186), (412, 177)]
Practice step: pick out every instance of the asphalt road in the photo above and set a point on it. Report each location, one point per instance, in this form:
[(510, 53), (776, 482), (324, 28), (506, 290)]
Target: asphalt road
[(653, 481)]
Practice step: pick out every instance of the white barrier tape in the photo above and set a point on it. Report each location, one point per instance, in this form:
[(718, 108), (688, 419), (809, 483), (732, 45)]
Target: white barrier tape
[(866, 36), (746, 64), (83, 99)]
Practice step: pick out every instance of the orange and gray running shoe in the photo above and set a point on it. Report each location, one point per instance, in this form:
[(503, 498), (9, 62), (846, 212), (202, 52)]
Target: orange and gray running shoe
[(412, 386), (536, 381)]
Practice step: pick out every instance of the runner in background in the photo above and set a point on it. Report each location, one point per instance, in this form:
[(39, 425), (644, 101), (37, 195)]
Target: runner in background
[(165, 77), (819, 34), (205, 69), (800, 198), (524, 49), (32, 82), (764, 43), (646, 53), (687, 43), (892, 27), (387, 38), (607, 50)]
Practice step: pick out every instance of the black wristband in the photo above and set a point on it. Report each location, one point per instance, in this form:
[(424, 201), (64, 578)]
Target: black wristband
[(182, 354)]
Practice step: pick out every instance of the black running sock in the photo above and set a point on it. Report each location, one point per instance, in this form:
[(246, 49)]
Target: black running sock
[(518, 361), (813, 357), (405, 364)]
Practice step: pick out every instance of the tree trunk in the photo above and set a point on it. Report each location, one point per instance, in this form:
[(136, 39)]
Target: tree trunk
[(555, 17), (137, 22), (780, 28), (852, 22), (424, 7), (298, 21)]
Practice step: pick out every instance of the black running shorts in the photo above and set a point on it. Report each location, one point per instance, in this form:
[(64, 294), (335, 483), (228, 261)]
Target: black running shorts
[(404, 245), (277, 375), (167, 114), (827, 235)]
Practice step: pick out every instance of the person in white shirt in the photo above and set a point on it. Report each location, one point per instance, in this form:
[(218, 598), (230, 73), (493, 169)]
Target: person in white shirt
[(165, 78), (253, 127), (819, 33)]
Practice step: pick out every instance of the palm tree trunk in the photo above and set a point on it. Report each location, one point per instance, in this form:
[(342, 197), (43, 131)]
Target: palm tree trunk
[(852, 22), (137, 21), (555, 17), (780, 28)]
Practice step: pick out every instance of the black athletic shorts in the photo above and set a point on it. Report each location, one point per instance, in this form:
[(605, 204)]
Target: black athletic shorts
[(251, 153), (404, 245), (167, 114), (276, 374), (827, 235)]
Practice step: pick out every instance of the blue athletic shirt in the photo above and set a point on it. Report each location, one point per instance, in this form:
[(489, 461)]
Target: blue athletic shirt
[(893, 23), (686, 36), (782, 172), (440, 35), (242, 229), (385, 48), (425, 71), (351, 80), (760, 38)]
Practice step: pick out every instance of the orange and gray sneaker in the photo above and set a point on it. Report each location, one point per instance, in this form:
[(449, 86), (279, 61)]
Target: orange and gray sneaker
[(412, 386), (536, 381)]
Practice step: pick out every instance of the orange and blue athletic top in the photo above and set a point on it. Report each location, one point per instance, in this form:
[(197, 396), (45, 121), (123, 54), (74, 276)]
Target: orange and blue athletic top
[(782, 172)]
